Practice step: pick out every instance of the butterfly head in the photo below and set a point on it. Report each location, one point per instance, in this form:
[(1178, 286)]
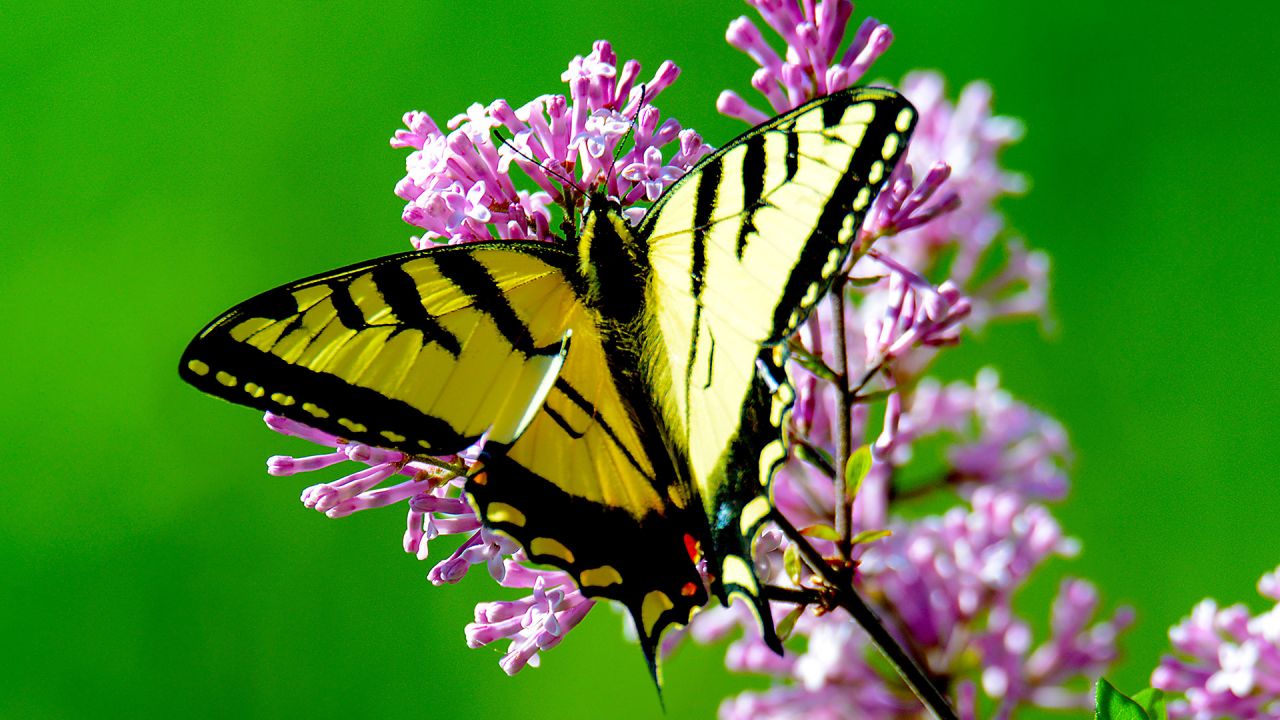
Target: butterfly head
[(600, 202)]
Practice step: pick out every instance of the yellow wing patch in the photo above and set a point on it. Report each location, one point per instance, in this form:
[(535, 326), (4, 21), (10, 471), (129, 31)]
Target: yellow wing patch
[(746, 244)]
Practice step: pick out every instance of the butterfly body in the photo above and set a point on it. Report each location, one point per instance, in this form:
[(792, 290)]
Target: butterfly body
[(629, 386)]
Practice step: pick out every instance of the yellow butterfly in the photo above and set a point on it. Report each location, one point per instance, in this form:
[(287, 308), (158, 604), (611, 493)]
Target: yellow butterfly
[(628, 388)]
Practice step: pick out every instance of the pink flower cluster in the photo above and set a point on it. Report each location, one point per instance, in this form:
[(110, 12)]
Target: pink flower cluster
[(944, 583), (948, 583), (809, 68), (1226, 661), (459, 187), (437, 507)]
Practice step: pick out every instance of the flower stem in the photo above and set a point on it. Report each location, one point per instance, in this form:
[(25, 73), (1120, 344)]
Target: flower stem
[(843, 518), (840, 585), (793, 596), (458, 469)]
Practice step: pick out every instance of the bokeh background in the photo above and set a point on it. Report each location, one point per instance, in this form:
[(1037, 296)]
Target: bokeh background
[(162, 161)]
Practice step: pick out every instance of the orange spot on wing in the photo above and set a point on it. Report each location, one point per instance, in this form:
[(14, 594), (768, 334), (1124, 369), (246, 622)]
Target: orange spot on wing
[(693, 547)]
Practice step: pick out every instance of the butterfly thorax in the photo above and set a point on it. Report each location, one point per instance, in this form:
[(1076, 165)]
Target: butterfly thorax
[(612, 264), (616, 278)]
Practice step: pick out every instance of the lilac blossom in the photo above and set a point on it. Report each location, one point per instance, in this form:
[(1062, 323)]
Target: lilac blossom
[(459, 185), (534, 623), (944, 583), (1226, 661), (436, 507), (947, 584), (812, 65), (940, 202), (996, 439)]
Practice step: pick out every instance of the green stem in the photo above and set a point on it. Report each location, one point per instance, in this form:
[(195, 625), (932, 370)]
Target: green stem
[(841, 586), (791, 596), (844, 445), (457, 469)]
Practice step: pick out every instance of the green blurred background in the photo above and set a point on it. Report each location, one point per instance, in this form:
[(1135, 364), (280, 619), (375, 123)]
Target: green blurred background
[(162, 161)]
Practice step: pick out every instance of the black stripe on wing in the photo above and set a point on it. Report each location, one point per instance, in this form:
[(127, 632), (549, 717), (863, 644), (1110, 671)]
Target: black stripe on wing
[(753, 172), (314, 398), (585, 406), (826, 233), (400, 292), (708, 191), (473, 278)]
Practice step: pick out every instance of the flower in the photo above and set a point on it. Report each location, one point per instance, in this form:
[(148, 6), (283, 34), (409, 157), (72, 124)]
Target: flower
[(946, 586), (1226, 661), (436, 507), (997, 441), (810, 68), (605, 136), (534, 623), (939, 203)]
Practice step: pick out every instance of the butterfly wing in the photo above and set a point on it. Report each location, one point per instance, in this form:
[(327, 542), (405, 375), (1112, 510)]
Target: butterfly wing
[(741, 249), (425, 352), (391, 352)]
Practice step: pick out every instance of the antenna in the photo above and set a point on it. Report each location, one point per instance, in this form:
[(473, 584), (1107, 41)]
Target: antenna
[(617, 151), (567, 224), (564, 179)]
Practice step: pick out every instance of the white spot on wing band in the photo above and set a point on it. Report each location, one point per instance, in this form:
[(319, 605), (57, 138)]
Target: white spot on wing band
[(904, 120), (890, 146), (863, 112), (601, 576), (736, 572), (772, 454), (876, 173), (753, 513), (654, 604)]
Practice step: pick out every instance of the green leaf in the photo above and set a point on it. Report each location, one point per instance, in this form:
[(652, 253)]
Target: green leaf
[(814, 364), (791, 563), (822, 532), (875, 395), (867, 281), (855, 471), (867, 536), (816, 457), (788, 623), (1152, 700), (1111, 704)]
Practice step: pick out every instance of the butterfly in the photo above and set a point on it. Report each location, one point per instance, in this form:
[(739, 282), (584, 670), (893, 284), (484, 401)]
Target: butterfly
[(629, 386)]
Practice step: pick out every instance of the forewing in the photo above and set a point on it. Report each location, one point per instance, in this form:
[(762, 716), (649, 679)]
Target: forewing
[(741, 249), (421, 352)]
